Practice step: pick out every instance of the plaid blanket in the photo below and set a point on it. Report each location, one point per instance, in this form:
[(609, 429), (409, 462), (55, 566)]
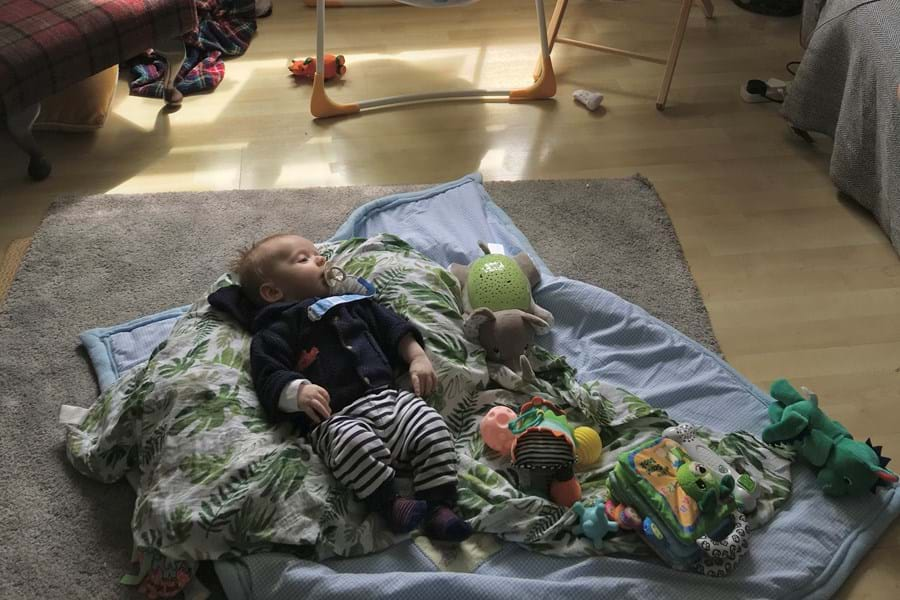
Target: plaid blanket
[(47, 45), (225, 28)]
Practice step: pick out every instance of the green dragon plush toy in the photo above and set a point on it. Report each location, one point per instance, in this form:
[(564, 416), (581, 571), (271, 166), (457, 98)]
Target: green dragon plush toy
[(846, 467)]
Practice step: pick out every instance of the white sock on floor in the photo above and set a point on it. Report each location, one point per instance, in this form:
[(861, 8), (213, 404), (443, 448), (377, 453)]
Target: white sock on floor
[(591, 100)]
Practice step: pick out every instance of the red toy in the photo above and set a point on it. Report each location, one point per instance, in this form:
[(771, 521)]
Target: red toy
[(334, 67)]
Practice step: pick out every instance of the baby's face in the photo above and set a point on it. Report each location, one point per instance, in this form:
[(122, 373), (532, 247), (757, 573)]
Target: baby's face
[(295, 268)]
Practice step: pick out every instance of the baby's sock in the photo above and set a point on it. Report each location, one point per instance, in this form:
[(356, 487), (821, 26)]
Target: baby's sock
[(444, 524), (405, 514), (591, 100), (402, 514)]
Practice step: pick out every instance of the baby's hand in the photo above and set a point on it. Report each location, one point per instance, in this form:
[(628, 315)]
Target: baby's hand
[(423, 377), (313, 401)]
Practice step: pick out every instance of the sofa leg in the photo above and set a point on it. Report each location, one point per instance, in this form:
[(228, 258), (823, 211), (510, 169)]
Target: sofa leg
[(174, 52), (20, 124)]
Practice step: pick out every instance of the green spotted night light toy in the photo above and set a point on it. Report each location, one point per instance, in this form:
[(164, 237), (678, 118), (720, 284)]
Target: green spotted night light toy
[(499, 312), (497, 282)]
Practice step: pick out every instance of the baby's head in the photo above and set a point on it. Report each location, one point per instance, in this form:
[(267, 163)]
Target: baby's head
[(282, 267)]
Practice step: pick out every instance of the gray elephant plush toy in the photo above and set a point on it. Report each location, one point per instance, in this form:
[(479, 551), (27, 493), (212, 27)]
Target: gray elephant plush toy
[(499, 310)]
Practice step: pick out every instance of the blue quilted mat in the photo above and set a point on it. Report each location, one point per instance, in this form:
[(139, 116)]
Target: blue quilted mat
[(807, 551)]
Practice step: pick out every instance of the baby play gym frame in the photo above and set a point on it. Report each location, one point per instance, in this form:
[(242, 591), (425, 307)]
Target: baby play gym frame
[(322, 106)]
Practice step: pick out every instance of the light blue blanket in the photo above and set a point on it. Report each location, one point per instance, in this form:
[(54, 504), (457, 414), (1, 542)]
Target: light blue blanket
[(808, 550)]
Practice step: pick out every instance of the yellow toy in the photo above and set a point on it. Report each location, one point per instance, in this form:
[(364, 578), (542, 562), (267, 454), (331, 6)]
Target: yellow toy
[(588, 446)]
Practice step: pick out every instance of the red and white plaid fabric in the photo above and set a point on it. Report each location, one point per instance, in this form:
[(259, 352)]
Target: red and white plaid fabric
[(47, 45)]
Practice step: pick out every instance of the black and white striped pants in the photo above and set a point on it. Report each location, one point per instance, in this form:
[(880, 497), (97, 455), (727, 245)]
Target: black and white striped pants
[(363, 443)]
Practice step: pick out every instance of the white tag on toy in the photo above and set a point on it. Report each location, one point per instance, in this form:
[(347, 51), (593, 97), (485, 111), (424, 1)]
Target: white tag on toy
[(496, 249)]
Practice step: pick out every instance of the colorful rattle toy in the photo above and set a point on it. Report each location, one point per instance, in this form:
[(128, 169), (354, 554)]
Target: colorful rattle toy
[(545, 443), (542, 445), (846, 467), (334, 66)]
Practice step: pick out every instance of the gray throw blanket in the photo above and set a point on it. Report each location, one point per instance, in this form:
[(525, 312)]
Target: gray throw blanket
[(847, 88)]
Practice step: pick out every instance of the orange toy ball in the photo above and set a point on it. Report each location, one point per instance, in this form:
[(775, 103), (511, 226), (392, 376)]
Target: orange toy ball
[(565, 493)]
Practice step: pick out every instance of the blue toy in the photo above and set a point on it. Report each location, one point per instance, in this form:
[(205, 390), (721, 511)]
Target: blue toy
[(593, 522)]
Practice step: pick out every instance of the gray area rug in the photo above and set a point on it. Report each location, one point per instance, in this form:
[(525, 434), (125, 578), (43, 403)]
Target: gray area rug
[(104, 259)]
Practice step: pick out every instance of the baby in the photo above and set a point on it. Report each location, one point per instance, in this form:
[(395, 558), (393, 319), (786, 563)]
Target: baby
[(328, 366)]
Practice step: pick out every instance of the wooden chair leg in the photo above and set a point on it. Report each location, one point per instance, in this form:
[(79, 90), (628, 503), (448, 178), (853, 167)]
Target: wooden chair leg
[(559, 11), (20, 124), (174, 52), (673, 54)]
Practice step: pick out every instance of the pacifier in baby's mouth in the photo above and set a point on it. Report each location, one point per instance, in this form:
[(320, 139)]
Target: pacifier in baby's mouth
[(340, 283)]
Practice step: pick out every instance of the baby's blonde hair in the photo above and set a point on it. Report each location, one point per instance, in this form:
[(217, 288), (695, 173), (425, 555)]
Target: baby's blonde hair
[(249, 265)]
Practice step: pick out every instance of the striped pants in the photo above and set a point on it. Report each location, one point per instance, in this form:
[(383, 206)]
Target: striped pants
[(363, 443)]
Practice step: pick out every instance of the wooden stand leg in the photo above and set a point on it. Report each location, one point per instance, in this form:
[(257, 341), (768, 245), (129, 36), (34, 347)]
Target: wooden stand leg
[(20, 124), (174, 52), (673, 54), (559, 11)]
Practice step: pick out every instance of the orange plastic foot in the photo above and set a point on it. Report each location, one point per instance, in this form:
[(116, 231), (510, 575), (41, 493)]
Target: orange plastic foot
[(321, 106), (544, 87)]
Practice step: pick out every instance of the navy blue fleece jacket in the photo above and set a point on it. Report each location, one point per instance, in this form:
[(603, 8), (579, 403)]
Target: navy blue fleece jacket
[(353, 350)]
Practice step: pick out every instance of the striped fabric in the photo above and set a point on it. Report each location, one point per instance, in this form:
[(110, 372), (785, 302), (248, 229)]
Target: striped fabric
[(543, 451), (363, 443), (47, 45), (847, 87)]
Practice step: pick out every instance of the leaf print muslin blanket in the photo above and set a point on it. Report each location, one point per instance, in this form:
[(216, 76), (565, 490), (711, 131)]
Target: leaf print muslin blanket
[(216, 480)]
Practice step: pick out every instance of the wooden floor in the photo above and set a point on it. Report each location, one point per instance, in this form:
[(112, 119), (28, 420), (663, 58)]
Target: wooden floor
[(798, 283)]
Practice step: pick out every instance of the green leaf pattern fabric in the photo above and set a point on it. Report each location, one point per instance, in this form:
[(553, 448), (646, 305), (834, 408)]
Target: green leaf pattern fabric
[(216, 480)]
